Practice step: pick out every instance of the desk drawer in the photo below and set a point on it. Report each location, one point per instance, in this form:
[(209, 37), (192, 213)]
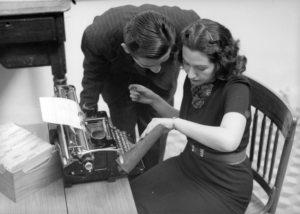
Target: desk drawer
[(21, 30)]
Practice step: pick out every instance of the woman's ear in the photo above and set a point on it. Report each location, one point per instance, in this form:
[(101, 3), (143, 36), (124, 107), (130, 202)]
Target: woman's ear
[(125, 48)]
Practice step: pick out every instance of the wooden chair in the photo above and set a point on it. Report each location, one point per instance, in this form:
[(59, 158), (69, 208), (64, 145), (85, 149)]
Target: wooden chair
[(272, 136)]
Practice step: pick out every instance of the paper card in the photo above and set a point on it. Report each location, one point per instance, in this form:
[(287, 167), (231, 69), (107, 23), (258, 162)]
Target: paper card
[(18, 145), (61, 111)]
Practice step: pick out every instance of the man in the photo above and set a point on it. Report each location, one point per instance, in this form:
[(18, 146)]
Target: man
[(128, 45)]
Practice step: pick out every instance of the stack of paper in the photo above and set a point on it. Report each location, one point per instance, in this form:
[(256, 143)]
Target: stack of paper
[(19, 146)]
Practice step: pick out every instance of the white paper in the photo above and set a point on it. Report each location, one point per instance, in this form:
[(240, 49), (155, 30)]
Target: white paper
[(61, 111)]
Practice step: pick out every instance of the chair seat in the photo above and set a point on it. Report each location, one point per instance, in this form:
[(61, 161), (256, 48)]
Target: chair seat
[(255, 206)]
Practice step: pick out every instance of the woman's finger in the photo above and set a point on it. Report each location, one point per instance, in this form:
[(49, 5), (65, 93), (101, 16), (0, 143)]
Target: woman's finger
[(132, 87), (134, 93), (150, 126), (135, 98), (136, 87)]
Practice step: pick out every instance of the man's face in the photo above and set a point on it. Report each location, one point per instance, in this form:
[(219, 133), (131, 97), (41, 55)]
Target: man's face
[(153, 64)]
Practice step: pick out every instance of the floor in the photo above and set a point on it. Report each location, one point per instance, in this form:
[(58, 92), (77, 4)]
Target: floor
[(289, 202)]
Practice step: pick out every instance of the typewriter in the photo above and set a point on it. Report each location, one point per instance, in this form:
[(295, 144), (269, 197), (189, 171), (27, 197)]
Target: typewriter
[(90, 154)]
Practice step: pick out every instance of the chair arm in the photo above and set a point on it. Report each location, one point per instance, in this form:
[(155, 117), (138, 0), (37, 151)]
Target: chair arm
[(270, 201)]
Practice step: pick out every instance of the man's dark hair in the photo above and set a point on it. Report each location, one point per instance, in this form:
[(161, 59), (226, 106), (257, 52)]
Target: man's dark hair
[(149, 34)]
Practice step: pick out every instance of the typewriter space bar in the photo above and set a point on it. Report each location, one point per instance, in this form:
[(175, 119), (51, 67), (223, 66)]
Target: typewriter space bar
[(113, 149)]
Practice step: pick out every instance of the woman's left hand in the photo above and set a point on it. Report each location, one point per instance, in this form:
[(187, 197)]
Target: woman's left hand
[(166, 122), (141, 94)]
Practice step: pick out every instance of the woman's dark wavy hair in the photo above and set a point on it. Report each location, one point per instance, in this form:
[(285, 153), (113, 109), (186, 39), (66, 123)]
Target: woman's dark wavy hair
[(216, 42), (149, 34)]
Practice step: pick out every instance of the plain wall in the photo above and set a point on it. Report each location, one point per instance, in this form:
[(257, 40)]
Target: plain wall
[(268, 30)]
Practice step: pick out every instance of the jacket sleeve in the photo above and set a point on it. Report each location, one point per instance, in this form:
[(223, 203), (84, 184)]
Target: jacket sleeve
[(96, 68)]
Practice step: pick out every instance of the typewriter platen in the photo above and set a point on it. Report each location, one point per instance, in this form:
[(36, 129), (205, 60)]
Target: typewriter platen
[(90, 155)]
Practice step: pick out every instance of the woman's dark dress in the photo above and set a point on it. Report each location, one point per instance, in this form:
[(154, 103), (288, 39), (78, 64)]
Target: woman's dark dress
[(188, 184)]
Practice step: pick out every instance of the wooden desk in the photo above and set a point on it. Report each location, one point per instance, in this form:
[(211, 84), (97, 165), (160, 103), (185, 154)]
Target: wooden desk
[(32, 33), (90, 198)]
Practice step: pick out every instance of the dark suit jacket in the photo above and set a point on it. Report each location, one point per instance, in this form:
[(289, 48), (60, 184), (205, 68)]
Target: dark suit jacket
[(109, 70)]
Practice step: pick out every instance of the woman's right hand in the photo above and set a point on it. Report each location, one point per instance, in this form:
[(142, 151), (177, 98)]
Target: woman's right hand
[(141, 94)]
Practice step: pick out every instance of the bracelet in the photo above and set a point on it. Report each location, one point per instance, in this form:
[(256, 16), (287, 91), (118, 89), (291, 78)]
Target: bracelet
[(174, 123)]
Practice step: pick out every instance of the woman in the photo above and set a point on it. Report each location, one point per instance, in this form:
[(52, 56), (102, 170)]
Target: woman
[(212, 174)]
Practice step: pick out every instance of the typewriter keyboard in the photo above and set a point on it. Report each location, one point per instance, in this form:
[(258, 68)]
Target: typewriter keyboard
[(121, 139)]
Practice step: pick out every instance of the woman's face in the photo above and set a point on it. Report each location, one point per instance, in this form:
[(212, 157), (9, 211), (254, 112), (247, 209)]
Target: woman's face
[(198, 67)]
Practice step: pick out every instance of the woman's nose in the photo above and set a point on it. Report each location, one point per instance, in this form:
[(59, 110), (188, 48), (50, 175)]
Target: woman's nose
[(156, 69), (191, 73)]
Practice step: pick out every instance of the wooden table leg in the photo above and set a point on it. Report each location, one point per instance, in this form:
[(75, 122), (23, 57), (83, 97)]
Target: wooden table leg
[(58, 63)]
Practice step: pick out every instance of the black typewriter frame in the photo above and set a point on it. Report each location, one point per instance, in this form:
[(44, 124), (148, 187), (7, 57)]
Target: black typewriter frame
[(106, 167)]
